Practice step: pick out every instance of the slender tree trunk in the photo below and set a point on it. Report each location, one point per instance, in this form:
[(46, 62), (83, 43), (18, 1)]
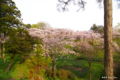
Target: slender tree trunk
[(10, 64), (108, 51), (3, 55), (53, 66), (0, 49), (89, 70), (1, 45)]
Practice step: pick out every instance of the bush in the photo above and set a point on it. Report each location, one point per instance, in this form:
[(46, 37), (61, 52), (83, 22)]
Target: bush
[(65, 74), (48, 72), (70, 75)]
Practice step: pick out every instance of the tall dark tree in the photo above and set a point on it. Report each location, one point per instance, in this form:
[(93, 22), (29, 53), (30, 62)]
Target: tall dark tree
[(9, 17), (9, 14), (20, 42), (108, 50)]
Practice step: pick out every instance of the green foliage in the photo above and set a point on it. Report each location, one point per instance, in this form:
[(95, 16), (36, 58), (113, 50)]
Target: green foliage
[(34, 26), (39, 25), (117, 27), (117, 71), (63, 74), (98, 29), (96, 42), (48, 72), (68, 47), (70, 75), (74, 65), (27, 26), (9, 15), (20, 42), (36, 64), (117, 41), (19, 70), (12, 73)]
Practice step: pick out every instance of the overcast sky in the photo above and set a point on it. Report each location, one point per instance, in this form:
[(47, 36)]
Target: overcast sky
[(34, 11)]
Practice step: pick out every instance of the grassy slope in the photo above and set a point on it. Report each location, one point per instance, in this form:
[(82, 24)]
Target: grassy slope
[(83, 74), (18, 69), (11, 73)]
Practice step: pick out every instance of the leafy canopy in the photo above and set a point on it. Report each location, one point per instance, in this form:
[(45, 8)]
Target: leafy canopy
[(97, 29), (9, 15), (20, 42)]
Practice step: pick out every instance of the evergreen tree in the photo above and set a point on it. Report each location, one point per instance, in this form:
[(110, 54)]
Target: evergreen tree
[(9, 14), (20, 42), (9, 17)]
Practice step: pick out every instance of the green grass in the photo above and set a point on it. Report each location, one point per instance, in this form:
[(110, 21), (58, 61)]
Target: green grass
[(18, 68), (117, 41), (3, 67), (96, 67)]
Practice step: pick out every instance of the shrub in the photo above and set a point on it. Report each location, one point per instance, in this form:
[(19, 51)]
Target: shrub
[(48, 72), (36, 64), (70, 75), (64, 74)]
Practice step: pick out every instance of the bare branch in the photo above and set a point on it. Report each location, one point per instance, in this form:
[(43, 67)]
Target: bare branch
[(64, 3)]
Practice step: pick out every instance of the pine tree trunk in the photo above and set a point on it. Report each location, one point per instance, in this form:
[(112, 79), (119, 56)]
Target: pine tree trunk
[(53, 66), (89, 71), (0, 50), (108, 51)]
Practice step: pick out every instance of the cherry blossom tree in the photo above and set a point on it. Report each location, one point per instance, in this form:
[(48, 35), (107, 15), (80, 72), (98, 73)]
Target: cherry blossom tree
[(87, 50), (54, 46), (54, 41)]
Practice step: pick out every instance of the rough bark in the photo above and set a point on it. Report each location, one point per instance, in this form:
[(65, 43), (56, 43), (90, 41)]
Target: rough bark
[(108, 50), (53, 66), (89, 70)]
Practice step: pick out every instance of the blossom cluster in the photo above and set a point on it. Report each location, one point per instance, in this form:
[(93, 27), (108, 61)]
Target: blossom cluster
[(54, 40)]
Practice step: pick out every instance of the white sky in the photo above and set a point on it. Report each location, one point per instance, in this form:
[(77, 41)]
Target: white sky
[(34, 11)]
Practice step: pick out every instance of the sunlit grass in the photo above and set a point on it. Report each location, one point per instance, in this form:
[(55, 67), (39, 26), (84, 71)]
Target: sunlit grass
[(71, 61)]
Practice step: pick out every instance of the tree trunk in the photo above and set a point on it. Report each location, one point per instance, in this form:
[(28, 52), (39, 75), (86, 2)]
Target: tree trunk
[(3, 55), (108, 50), (1, 45), (89, 70), (0, 49), (10, 64), (53, 66)]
